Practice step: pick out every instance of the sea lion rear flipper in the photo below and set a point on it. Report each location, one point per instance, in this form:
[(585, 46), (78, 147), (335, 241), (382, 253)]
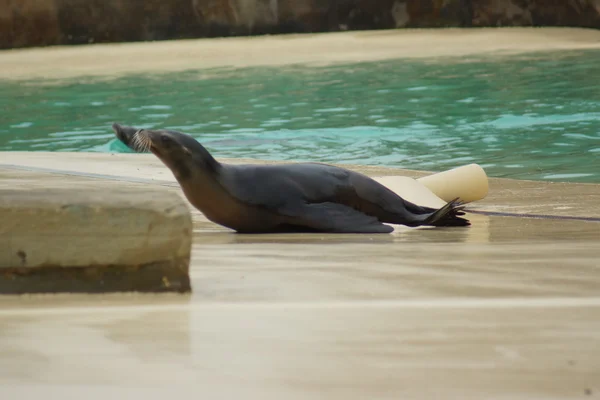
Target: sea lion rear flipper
[(337, 218)]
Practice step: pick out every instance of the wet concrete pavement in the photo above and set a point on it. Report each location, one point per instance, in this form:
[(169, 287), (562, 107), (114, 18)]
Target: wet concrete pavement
[(506, 309)]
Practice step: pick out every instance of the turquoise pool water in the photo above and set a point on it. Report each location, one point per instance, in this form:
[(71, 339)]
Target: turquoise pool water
[(534, 117)]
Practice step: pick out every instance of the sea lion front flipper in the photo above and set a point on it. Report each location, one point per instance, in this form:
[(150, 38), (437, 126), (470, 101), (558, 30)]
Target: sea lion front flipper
[(336, 218)]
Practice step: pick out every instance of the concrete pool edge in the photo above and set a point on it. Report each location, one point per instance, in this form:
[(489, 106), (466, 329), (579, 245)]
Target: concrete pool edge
[(402, 172), (506, 197), (113, 60)]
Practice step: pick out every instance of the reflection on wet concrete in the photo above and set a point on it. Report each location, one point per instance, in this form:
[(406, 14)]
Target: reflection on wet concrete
[(266, 352), (427, 263), (484, 229)]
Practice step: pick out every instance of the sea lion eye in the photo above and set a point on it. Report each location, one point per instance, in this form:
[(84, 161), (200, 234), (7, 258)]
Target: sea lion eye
[(165, 139)]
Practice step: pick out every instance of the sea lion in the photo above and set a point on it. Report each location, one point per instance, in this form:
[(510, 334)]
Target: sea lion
[(300, 197)]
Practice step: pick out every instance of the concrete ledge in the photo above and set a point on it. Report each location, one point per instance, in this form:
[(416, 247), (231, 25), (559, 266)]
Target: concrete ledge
[(83, 235), (107, 61)]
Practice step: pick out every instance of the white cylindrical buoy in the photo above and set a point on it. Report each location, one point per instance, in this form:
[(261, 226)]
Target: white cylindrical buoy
[(411, 190), (469, 183)]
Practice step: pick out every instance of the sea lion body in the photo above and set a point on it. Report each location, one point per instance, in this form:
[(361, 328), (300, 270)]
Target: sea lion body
[(300, 197)]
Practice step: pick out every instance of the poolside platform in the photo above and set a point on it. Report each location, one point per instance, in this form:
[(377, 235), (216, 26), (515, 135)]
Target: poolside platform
[(506, 309), (106, 61)]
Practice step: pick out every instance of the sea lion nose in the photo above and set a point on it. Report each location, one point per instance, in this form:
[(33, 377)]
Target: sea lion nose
[(124, 133)]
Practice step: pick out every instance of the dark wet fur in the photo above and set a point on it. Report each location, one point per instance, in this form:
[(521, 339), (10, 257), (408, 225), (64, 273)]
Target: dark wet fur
[(298, 197)]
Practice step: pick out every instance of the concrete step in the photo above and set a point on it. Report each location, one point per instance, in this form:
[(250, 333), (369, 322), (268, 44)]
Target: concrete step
[(75, 234)]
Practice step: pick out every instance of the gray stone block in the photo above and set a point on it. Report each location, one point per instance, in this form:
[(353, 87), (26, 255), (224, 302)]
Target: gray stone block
[(70, 234)]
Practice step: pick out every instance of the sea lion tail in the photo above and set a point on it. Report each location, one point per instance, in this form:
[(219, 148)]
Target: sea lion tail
[(449, 215)]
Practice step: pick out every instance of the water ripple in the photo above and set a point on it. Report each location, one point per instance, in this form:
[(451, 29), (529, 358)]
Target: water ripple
[(530, 117)]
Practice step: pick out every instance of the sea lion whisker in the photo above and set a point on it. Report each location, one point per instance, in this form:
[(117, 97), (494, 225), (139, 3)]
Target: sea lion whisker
[(134, 142), (138, 143), (141, 143), (146, 142)]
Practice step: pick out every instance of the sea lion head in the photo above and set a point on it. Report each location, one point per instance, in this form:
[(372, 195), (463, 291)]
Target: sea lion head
[(181, 153)]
